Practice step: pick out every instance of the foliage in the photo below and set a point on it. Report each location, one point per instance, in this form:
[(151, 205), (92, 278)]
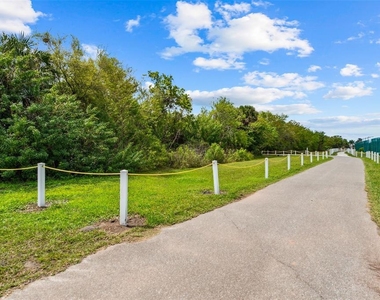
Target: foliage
[(186, 157), (215, 152), (62, 107), (56, 131)]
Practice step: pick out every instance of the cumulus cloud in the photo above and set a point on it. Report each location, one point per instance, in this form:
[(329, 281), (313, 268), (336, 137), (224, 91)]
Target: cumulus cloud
[(232, 10), (291, 81), (16, 15), (346, 92), (351, 70), (242, 95), (130, 24), (378, 65), (194, 28), (375, 75), (314, 68), (91, 50)]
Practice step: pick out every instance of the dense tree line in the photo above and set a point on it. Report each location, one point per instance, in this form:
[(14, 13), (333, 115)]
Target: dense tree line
[(70, 111)]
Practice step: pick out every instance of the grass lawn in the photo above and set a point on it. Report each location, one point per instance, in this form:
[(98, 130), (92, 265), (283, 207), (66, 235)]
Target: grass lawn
[(39, 242), (372, 172)]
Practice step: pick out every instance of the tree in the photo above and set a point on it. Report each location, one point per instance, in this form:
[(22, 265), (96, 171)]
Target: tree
[(25, 73), (167, 108), (229, 120)]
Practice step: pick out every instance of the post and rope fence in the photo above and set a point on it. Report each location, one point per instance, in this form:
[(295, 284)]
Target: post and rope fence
[(123, 174)]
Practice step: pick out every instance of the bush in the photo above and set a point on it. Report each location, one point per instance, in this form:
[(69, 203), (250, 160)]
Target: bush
[(215, 152), (186, 157), (239, 155)]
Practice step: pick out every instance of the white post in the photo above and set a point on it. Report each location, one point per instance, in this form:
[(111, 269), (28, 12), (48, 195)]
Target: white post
[(317, 153), (216, 177), (377, 160), (266, 168), (311, 157), (288, 162), (361, 153), (123, 197), (323, 154), (41, 184), (301, 159)]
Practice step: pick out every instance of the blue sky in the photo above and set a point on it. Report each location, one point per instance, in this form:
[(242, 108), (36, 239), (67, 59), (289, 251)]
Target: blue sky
[(316, 61)]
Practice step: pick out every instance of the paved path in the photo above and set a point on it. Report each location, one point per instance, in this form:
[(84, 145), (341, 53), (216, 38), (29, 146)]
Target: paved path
[(306, 237)]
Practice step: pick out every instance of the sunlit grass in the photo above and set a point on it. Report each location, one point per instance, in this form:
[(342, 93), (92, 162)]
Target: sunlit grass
[(39, 242), (372, 171)]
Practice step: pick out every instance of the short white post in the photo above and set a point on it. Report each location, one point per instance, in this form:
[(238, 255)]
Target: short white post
[(311, 157), (266, 168), (301, 159), (323, 154), (288, 162), (361, 153), (41, 184), (317, 153), (377, 157), (216, 177), (123, 197)]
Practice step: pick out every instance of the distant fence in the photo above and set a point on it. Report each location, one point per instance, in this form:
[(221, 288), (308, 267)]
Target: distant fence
[(123, 174), (370, 144)]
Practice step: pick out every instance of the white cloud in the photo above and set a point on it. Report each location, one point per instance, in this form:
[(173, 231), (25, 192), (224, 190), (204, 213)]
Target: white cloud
[(90, 50), (228, 10), (218, 63), (314, 68), (291, 109), (264, 62), (351, 70), (195, 29), (184, 28), (15, 15), (375, 75), (291, 81), (352, 90), (349, 127), (359, 36), (242, 95), (378, 65), (352, 38), (130, 24), (264, 4)]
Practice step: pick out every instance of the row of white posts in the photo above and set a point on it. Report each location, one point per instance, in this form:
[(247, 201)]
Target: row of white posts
[(368, 154), (123, 216), (372, 155)]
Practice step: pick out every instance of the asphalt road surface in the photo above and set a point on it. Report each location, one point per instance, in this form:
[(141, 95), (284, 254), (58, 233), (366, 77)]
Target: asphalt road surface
[(307, 237)]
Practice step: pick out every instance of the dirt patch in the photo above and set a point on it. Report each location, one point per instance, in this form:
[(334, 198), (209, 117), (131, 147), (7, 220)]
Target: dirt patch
[(113, 226), (32, 265), (33, 207)]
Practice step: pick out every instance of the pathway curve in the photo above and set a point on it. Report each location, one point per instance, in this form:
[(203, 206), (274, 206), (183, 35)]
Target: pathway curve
[(306, 237)]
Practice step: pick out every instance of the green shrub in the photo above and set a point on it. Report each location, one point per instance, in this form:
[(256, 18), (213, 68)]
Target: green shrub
[(239, 155), (215, 152), (186, 157)]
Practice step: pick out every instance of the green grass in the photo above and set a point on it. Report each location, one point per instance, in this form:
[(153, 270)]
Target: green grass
[(40, 242), (372, 171)]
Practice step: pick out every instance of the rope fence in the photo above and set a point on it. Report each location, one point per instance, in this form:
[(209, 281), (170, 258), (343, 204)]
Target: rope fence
[(123, 218)]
